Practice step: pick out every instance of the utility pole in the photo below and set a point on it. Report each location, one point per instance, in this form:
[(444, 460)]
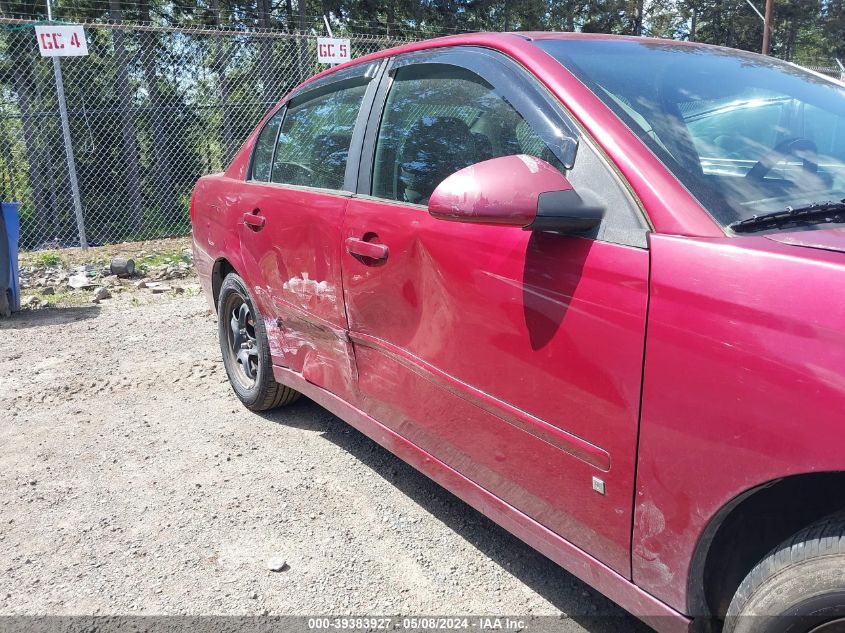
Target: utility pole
[(767, 26), (767, 22)]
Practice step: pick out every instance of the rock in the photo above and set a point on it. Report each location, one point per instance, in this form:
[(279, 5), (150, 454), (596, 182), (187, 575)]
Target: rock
[(80, 282), (142, 284), (102, 293), (277, 563), (48, 290), (111, 280), (31, 302), (178, 290), (159, 288)]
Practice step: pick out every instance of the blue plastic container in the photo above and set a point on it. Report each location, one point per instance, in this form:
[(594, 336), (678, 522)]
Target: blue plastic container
[(10, 231)]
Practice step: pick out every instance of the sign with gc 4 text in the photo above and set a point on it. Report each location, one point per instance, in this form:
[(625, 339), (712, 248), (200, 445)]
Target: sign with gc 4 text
[(332, 50), (67, 40)]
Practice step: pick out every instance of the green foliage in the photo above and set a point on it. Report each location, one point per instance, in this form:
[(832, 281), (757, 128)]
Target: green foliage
[(158, 258), (50, 260)]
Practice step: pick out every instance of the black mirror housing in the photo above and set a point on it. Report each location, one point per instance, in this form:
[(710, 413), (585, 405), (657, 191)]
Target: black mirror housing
[(565, 212)]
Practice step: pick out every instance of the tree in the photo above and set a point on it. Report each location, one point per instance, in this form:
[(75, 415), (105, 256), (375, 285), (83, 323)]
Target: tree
[(219, 65), (833, 16), (19, 71), (155, 108), (129, 134)]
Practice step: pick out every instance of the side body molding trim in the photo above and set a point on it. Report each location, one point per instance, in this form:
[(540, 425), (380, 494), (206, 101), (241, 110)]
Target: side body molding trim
[(567, 442), (577, 562)]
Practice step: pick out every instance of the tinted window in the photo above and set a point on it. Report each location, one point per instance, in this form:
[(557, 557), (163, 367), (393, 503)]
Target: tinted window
[(263, 153), (712, 114), (315, 138), (439, 119)]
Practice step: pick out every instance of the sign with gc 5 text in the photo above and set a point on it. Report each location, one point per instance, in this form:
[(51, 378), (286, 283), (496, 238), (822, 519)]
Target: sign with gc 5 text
[(332, 50), (66, 40)]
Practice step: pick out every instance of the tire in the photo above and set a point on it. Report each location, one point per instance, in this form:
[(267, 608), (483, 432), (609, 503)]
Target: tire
[(245, 350), (798, 588)]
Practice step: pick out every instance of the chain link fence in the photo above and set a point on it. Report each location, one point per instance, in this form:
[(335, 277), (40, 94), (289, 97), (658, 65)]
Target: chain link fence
[(150, 110), (826, 69)]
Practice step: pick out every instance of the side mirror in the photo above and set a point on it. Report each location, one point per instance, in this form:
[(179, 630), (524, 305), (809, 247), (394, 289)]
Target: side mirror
[(513, 191)]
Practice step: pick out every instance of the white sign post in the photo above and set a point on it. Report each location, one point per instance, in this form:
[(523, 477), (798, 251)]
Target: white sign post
[(333, 50), (66, 40)]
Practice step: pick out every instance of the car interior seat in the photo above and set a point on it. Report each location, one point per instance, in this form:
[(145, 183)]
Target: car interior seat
[(328, 161), (435, 148)]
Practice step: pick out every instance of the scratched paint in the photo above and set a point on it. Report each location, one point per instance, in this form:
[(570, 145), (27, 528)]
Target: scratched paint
[(304, 288)]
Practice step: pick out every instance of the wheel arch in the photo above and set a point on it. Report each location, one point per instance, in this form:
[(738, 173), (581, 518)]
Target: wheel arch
[(747, 527), (221, 268)]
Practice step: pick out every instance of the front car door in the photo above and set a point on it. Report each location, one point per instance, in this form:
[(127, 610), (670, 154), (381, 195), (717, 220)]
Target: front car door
[(514, 357), (301, 175)]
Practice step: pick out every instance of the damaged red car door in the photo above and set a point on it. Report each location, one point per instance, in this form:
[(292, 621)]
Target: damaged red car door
[(292, 208), (513, 356)]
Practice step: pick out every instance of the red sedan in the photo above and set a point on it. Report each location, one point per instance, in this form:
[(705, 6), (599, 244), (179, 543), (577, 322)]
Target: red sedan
[(594, 286)]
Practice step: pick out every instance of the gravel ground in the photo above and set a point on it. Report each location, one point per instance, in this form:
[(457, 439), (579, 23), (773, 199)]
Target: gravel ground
[(133, 482)]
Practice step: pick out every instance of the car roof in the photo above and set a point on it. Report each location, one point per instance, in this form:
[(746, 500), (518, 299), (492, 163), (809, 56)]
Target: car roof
[(678, 213), (504, 41)]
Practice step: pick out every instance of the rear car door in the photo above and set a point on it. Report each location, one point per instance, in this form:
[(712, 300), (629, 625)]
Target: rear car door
[(300, 179), (514, 357)]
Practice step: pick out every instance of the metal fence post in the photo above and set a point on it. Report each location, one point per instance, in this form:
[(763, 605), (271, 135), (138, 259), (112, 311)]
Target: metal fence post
[(71, 163)]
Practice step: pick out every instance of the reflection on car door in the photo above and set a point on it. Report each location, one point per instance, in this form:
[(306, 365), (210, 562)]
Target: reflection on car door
[(293, 207), (513, 357)]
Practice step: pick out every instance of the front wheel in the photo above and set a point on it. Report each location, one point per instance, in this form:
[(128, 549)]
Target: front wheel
[(798, 588), (246, 352)]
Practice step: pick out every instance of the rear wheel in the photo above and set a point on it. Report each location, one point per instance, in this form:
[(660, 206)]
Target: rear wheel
[(798, 588), (246, 352)]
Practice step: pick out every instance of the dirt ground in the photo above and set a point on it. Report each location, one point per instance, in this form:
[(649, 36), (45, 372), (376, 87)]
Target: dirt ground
[(133, 482)]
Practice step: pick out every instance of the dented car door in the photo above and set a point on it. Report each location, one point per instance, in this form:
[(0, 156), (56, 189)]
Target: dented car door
[(293, 207)]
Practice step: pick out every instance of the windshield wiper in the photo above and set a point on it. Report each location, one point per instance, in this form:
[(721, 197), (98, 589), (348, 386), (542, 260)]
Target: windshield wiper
[(814, 213)]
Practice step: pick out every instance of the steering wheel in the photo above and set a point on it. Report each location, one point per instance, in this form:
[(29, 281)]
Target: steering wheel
[(781, 151)]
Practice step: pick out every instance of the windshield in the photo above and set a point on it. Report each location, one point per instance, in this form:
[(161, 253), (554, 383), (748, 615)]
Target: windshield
[(746, 134)]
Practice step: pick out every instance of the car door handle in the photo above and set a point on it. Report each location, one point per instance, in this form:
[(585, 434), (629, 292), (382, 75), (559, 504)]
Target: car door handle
[(254, 221), (371, 250)]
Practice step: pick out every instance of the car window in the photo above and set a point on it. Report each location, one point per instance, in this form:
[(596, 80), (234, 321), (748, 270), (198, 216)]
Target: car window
[(746, 134), (315, 137), (262, 156), (827, 131), (741, 129), (439, 119)]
